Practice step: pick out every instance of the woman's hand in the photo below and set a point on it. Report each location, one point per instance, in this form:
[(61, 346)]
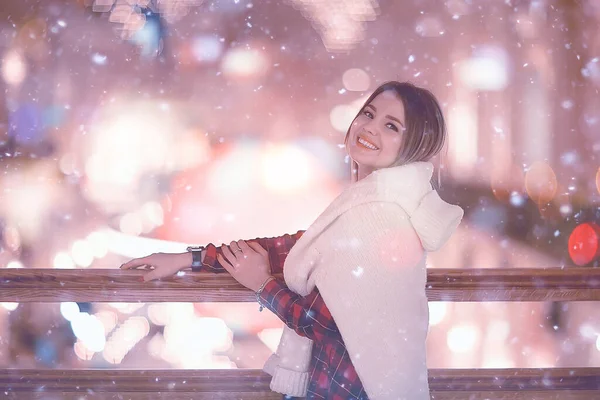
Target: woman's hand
[(248, 264), (162, 264)]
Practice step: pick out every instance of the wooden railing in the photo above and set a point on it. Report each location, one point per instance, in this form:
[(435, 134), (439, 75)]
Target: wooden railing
[(51, 285)]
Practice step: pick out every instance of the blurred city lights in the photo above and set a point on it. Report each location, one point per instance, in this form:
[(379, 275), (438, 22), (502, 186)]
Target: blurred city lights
[(190, 341), (584, 243), (244, 62), (486, 70), (249, 129), (10, 306), (341, 116), (14, 68), (89, 330), (127, 308), (429, 26), (69, 310), (98, 241), (108, 319), (286, 168), (28, 196), (541, 183), (12, 237), (131, 224), (132, 246), (463, 338), (356, 79), (463, 143), (63, 260), (82, 352), (82, 253), (207, 48), (124, 338), (14, 264), (123, 147), (437, 312)]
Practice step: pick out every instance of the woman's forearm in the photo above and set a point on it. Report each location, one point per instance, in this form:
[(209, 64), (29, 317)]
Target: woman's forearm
[(277, 247)]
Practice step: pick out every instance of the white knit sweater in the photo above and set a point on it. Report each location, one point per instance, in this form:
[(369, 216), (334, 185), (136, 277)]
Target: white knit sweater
[(366, 254)]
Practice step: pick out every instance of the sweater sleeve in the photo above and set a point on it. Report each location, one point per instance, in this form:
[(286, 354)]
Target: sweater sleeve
[(307, 316), (374, 286), (277, 247)]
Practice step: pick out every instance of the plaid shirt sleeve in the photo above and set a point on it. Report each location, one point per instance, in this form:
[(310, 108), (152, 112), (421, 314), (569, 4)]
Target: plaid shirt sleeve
[(277, 247), (308, 316)]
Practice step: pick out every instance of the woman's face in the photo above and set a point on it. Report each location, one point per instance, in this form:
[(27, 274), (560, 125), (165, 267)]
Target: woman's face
[(381, 123)]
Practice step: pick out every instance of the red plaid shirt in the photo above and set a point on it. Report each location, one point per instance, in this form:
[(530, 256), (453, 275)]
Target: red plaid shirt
[(333, 376)]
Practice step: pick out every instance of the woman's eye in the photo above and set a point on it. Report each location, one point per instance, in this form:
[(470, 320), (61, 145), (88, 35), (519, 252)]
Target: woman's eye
[(368, 114), (392, 127)]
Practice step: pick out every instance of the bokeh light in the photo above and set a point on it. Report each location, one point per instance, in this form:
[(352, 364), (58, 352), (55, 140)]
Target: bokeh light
[(463, 338), (286, 169), (32, 38), (69, 310), (540, 183), (14, 68), (356, 79), (508, 182), (10, 306), (429, 26), (437, 312), (207, 48), (486, 70), (89, 330), (584, 243), (244, 62), (110, 152), (124, 338), (82, 253), (63, 260)]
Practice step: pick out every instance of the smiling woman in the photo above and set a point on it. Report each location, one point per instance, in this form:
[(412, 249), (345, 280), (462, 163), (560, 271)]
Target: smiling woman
[(398, 124), (353, 296)]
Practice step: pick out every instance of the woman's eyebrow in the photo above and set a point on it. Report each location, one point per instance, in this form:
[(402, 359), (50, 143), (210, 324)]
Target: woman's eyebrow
[(387, 116)]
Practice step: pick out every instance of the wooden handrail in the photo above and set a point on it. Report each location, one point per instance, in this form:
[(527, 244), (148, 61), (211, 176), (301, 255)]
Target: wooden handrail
[(104, 285), (445, 384), (114, 285)]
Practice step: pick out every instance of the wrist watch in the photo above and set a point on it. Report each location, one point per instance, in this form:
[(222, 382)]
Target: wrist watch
[(196, 256)]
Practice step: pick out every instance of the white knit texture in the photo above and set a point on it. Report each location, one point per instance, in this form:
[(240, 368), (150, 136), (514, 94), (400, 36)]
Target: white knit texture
[(375, 288), (366, 254)]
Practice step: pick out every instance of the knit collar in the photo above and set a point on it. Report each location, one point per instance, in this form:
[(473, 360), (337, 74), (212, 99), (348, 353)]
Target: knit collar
[(408, 185)]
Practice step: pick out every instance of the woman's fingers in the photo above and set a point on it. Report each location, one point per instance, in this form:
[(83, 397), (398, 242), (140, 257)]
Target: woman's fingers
[(244, 247), (228, 255), (228, 267), (137, 262), (258, 248)]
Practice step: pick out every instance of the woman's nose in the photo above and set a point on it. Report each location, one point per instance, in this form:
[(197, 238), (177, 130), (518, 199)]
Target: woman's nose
[(369, 129)]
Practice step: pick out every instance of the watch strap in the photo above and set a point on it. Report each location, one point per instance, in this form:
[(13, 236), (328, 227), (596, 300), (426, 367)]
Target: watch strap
[(196, 257)]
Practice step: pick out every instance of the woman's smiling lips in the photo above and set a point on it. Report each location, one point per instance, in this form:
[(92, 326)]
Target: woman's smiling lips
[(367, 141)]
